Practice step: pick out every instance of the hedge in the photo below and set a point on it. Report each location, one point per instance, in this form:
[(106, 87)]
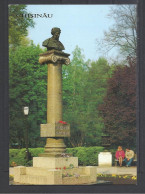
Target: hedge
[(18, 156), (87, 156)]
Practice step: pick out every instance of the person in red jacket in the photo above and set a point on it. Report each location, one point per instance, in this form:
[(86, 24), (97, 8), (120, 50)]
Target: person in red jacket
[(120, 154)]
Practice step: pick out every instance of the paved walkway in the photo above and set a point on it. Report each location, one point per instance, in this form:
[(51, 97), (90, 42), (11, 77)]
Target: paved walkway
[(107, 170), (117, 170)]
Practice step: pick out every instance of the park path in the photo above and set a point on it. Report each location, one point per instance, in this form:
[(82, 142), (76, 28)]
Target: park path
[(117, 170)]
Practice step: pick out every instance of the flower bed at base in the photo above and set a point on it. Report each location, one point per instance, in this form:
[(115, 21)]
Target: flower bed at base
[(117, 179)]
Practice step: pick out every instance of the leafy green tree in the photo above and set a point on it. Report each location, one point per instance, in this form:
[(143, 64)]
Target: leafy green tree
[(73, 92), (28, 87), (18, 25), (84, 86), (95, 90)]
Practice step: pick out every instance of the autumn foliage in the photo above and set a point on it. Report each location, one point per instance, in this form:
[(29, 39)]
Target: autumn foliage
[(119, 107)]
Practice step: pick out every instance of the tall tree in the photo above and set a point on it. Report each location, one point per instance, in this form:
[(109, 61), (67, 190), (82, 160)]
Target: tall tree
[(27, 83), (84, 86), (95, 90), (73, 92), (18, 25), (123, 33), (119, 107)]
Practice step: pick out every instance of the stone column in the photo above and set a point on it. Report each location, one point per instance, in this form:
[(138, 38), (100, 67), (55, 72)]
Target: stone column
[(54, 93), (53, 130)]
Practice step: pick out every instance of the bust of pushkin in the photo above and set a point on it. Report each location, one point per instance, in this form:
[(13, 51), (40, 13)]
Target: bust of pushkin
[(53, 42)]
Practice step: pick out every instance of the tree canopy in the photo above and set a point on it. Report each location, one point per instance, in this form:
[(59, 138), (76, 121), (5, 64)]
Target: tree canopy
[(98, 98), (123, 33), (28, 87), (18, 25), (119, 107), (84, 86)]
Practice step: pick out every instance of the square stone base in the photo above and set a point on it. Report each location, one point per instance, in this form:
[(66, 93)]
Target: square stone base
[(55, 171), (54, 162), (37, 176), (45, 176)]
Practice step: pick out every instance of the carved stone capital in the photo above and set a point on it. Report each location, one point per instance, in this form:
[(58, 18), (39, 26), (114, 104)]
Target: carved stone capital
[(54, 56)]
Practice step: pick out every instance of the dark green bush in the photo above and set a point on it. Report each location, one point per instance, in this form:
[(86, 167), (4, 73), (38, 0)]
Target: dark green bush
[(19, 156), (13, 153), (87, 156), (35, 151), (113, 151)]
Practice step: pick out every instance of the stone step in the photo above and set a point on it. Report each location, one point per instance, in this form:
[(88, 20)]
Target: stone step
[(82, 179), (40, 176), (34, 180), (46, 176), (38, 171), (44, 180), (37, 180), (46, 171)]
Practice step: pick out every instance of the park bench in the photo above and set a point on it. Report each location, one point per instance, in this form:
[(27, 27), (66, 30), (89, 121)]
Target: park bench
[(133, 163)]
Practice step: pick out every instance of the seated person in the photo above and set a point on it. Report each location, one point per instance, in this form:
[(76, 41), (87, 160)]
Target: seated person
[(129, 155), (120, 155)]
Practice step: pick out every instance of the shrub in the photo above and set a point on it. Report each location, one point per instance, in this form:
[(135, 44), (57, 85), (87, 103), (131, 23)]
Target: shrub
[(13, 156), (18, 156), (87, 156), (36, 151)]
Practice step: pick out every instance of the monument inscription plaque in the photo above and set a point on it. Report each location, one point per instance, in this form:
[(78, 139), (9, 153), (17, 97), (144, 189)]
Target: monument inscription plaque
[(55, 130)]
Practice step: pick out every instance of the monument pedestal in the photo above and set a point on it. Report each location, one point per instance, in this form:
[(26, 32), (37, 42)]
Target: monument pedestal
[(53, 147), (55, 171), (54, 162)]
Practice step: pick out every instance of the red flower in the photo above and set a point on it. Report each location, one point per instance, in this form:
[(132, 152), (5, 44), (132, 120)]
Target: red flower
[(56, 168), (60, 168), (64, 167), (63, 122)]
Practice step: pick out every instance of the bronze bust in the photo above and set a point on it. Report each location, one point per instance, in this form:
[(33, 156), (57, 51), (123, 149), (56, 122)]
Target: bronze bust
[(53, 42)]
